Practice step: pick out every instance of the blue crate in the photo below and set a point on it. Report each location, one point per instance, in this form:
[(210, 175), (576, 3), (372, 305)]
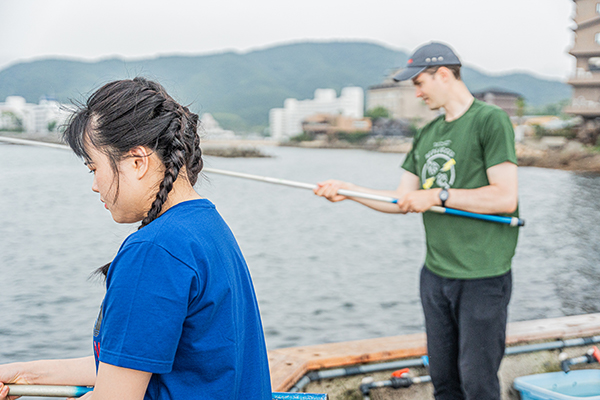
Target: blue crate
[(576, 385)]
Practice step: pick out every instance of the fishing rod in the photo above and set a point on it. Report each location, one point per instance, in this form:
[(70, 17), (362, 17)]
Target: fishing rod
[(48, 390), (78, 391), (512, 221)]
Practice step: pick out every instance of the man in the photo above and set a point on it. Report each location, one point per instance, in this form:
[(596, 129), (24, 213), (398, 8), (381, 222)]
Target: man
[(464, 159)]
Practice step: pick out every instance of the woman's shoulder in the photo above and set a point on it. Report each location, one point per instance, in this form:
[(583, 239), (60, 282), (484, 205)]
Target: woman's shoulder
[(176, 221), (185, 226)]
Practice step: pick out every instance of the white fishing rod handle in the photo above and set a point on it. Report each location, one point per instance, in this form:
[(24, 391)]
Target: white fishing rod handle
[(48, 390)]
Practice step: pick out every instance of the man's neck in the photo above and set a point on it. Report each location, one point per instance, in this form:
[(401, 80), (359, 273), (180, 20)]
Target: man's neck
[(459, 102)]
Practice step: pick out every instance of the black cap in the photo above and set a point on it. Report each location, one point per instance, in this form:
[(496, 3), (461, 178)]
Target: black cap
[(430, 55)]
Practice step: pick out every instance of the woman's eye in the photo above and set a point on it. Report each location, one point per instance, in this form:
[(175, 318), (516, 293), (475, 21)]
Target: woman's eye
[(92, 171)]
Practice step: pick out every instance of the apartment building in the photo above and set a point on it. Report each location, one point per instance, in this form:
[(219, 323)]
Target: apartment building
[(586, 50), (287, 121), (47, 115)]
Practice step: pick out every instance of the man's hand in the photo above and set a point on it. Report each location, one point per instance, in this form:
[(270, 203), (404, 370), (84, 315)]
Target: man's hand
[(329, 189), (419, 201)]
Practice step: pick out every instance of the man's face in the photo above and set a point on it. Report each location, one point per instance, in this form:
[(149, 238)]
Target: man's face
[(427, 87)]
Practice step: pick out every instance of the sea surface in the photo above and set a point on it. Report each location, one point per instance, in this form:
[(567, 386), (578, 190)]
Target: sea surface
[(323, 272)]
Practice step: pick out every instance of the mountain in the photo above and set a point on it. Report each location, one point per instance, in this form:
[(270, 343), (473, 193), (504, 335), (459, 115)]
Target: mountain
[(240, 88)]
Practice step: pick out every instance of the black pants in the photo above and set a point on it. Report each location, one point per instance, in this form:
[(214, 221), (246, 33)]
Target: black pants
[(465, 322)]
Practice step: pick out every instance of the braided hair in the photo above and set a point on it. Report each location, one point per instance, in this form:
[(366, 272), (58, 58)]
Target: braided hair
[(126, 114)]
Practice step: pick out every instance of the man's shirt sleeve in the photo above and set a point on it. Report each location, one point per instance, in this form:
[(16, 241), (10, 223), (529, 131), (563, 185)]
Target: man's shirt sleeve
[(498, 139)]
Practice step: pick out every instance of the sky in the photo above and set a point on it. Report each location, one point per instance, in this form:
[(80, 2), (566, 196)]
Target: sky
[(494, 36)]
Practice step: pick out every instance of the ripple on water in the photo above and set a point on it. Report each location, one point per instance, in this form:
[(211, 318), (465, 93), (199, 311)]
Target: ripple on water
[(323, 272)]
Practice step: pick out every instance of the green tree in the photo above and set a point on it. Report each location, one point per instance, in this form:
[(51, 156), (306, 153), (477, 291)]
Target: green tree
[(377, 112), (14, 123), (520, 107), (51, 126)]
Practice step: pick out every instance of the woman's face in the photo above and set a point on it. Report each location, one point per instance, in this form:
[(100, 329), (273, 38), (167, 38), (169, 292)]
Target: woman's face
[(121, 193)]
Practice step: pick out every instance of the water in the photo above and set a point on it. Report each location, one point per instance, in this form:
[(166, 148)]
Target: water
[(323, 272)]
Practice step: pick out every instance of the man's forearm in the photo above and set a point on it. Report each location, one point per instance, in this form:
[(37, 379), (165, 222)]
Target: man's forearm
[(484, 200), (499, 197)]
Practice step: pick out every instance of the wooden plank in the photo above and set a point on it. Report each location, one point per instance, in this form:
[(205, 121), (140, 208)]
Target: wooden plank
[(362, 351), (290, 364), (285, 370), (553, 328)]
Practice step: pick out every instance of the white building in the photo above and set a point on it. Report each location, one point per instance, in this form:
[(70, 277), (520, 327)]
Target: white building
[(287, 121), (16, 114), (211, 130)]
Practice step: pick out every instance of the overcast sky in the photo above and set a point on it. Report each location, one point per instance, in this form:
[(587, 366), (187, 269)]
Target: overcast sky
[(495, 36)]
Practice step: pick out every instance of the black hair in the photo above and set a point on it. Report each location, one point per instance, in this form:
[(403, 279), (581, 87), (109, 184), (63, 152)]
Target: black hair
[(126, 114), (455, 69)]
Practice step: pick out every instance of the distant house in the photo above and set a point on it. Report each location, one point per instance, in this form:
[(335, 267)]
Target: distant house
[(400, 101), (329, 124), (586, 50), (502, 98)]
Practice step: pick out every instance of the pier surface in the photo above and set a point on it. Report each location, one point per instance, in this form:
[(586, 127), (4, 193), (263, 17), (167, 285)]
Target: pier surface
[(289, 365)]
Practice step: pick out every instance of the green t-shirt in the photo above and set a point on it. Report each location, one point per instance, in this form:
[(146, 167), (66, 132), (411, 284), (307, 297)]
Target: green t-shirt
[(456, 154)]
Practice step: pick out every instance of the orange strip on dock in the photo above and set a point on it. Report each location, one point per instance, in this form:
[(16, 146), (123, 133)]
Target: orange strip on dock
[(291, 364)]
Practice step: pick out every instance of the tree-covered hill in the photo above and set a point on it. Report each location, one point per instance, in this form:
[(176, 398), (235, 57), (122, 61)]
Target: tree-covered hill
[(240, 88)]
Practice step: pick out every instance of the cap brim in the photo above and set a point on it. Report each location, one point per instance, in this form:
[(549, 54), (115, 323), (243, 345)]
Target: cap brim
[(408, 73)]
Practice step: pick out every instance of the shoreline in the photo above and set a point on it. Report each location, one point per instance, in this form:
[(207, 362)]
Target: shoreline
[(547, 152), (550, 152)]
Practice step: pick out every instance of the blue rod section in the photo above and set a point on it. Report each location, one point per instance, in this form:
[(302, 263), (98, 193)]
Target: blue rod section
[(78, 391), (299, 396), (486, 217)]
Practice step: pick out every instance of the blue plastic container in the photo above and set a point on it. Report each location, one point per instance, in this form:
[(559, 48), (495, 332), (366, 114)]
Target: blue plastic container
[(576, 385)]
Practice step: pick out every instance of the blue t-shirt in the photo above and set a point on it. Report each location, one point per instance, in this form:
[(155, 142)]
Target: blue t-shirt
[(180, 304)]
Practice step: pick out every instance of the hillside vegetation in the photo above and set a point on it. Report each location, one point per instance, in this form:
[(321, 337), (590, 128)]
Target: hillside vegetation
[(240, 88)]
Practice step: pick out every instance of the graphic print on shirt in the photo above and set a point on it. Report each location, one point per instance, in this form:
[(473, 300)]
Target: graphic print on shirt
[(439, 167), (97, 327)]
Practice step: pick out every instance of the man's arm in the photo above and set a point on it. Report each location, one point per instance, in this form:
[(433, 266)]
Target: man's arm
[(500, 196), (408, 183)]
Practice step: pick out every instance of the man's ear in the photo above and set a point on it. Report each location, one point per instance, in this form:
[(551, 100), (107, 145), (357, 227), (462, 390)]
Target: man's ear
[(445, 73), (140, 160)]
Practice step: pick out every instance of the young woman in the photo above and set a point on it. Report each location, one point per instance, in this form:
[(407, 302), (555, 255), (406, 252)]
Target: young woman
[(180, 318)]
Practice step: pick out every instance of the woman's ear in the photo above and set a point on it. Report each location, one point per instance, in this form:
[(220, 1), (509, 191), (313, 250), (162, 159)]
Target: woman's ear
[(140, 160)]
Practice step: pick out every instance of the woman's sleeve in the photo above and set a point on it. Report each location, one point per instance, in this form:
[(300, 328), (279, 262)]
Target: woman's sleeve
[(146, 303)]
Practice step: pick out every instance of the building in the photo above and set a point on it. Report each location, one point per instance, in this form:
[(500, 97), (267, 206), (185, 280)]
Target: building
[(400, 101), (586, 50), (15, 115), (502, 98), (286, 122), (46, 116), (211, 130), (330, 124)]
